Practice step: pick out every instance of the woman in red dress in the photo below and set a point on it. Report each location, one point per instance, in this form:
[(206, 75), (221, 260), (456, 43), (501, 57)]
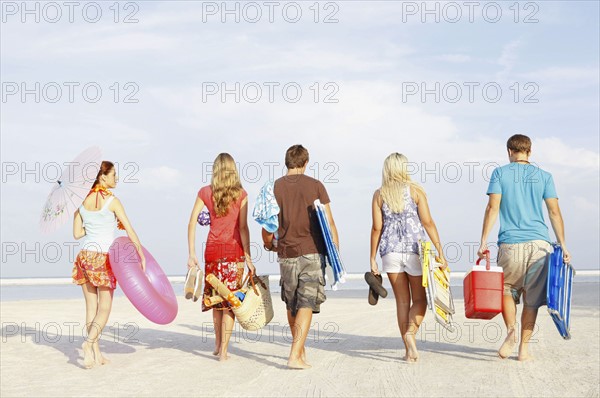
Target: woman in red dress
[(228, 243)]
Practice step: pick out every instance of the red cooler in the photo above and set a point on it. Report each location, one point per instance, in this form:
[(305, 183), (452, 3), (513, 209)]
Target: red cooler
[(483, 289)]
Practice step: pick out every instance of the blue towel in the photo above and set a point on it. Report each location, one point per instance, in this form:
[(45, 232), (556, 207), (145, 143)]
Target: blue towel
[(266, 209), (332, 255)]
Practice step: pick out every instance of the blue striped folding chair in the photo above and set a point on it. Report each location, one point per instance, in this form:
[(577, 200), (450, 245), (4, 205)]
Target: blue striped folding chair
[(560, 284)]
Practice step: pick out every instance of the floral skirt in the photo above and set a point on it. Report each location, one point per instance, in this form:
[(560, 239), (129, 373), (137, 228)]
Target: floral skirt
[(230, 273), (93, 267)]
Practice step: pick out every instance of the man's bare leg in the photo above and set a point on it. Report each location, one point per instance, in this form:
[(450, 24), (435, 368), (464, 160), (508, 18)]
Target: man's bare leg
[(300, 329), (291, 322), (509, 313), (528, 325)]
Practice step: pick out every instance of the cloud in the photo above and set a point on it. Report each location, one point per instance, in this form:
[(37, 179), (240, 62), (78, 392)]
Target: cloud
[(454, 58), (588, 75), (508, 58), (556, 152), (586, 206), (95, 40), (160, 178), (171, 133)]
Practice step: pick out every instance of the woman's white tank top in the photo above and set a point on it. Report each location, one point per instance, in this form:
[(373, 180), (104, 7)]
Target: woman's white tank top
[(100, 226)]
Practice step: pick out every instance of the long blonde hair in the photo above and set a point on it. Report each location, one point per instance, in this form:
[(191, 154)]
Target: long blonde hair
[(225, 183), (395, 178)]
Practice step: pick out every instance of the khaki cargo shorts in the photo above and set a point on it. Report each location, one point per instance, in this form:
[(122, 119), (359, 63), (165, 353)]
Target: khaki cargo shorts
[(303, 282), (525, 268)]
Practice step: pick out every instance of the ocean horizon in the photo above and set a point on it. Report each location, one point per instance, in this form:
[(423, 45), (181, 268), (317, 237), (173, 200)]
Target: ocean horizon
[(16, 289)]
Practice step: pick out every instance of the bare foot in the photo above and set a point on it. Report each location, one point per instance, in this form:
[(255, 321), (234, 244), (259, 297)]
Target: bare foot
[(524, 355), (298, 364), (509, 344), (88, 355), (405, 357), (216, 352), (223, 357), (100, 359), (303, 357), (411, 360), (412, 355)]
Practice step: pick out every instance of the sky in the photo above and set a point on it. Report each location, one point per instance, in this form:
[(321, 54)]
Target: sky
[(163, 87)]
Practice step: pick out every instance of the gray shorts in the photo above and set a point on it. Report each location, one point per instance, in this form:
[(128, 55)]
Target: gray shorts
[(303, 282), (525, 268)]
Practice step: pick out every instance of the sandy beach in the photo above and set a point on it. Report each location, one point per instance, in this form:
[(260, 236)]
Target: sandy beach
[(354, 349)]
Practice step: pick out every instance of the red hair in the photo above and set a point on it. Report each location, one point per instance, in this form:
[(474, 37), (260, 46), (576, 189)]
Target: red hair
[(105, 168)]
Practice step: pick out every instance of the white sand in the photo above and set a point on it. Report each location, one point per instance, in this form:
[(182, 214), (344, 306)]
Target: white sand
[(355, 351)]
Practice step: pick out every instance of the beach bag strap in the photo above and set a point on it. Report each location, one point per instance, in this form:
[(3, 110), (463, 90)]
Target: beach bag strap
[(262, 284), (486, 255)]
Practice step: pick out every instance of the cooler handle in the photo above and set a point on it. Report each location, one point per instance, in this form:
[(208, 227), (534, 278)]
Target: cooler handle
[(486, 255)]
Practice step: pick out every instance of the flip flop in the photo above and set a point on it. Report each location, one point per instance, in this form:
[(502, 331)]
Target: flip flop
[(190, 281), (376, 283), (373, 297), (198, 285), (376, 288)]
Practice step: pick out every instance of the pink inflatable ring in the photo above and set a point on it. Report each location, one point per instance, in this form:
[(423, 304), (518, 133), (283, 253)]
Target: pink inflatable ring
[(151, 293)]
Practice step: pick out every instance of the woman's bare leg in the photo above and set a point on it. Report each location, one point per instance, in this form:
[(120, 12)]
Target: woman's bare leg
[(226, 330), (105, 297), (415, 315), (217, 321), (90, 293), (401, 290)]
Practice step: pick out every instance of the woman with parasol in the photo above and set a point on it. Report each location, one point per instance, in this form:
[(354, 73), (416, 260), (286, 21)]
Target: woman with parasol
[(96, 221)]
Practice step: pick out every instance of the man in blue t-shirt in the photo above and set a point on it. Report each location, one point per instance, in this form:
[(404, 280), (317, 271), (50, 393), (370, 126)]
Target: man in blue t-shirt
[(518, 191)]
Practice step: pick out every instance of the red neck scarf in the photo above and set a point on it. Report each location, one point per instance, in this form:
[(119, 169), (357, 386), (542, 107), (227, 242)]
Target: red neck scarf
[(100, 190)]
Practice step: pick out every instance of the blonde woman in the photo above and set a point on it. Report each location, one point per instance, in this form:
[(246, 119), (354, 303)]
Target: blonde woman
[(228, 244), (400, 218)]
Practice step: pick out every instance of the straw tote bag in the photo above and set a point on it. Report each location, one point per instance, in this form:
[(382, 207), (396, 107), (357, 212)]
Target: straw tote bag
[(256, 310)]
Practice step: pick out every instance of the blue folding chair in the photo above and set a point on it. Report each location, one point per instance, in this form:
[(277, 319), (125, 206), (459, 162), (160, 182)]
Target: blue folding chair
[(559, 291)]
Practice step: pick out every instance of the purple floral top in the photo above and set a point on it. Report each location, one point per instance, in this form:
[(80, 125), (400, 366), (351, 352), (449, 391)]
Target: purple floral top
[(401, 231)]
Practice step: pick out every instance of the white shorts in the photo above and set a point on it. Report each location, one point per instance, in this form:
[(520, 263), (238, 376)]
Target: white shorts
[(402, 262)]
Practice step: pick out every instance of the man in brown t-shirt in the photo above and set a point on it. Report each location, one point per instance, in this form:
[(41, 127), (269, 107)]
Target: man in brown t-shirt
[(300, 248)]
